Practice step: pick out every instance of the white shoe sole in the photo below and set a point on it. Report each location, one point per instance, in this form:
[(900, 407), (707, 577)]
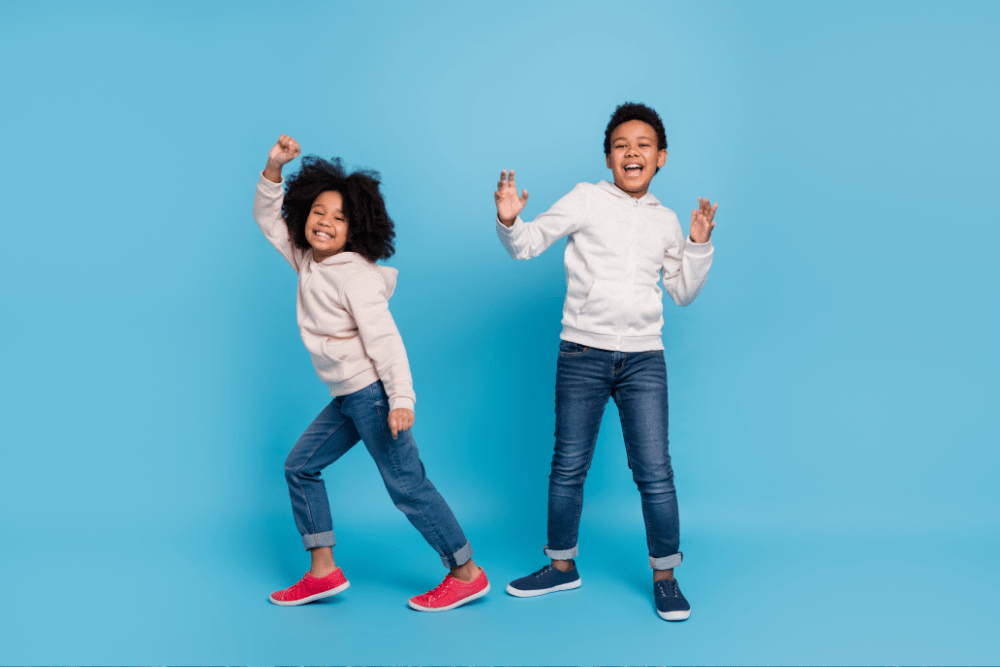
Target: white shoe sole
[(674, 615), (518, 593), (474, 596), (312, 598)]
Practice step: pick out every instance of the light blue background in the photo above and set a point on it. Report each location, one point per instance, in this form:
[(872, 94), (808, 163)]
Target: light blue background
[(832, 389)]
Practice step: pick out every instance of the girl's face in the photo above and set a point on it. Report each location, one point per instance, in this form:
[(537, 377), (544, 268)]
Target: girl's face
[(326, 226)]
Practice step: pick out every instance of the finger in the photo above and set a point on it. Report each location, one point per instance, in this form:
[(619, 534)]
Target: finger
[(503, 179), (711, 213), (392, 426), (524, 197)]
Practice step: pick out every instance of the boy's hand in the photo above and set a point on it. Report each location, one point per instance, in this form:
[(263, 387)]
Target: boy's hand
[(400, 419), (508, 203), (701, 221), (284, 151)]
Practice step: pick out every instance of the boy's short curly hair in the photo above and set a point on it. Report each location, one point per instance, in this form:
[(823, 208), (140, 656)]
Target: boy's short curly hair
[(635, 111), (370, 230)]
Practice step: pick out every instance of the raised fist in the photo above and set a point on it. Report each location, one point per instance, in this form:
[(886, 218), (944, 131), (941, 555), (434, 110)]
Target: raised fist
[(284, 151)]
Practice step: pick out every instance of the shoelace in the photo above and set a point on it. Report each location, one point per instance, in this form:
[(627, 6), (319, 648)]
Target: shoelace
[(440, 589), (291, 592), (542, 571), (667, 587)]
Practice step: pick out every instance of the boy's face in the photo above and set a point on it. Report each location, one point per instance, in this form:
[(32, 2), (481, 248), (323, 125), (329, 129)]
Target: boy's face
[(634, 156), (326, 226)]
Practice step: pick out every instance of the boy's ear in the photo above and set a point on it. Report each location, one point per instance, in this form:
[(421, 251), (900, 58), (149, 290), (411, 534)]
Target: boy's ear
[(661, 159), (607, 160)]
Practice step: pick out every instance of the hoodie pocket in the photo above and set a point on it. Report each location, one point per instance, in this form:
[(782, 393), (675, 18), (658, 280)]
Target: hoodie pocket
[(604, 307), (342, 358), (645, 316)]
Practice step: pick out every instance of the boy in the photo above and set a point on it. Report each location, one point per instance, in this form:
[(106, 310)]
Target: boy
[(620, 238)]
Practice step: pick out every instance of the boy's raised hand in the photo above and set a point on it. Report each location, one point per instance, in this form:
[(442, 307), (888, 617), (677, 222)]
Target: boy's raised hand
[(702, 221), (508, 203), (284, 151)]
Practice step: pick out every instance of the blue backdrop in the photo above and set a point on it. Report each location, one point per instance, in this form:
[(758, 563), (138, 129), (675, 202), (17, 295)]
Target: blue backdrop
[(830, 388)]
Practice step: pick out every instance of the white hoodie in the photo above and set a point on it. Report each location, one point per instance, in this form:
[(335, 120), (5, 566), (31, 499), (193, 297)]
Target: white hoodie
[(616, 250), (343, 311)]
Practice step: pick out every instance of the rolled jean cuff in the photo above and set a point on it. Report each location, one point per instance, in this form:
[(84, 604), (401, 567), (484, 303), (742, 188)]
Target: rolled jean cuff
[(317, 540), (459, 558), (564, 554), (667, 562)]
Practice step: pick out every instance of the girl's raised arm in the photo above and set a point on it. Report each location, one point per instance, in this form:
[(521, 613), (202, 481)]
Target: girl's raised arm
[(270, 196), (284, 151)]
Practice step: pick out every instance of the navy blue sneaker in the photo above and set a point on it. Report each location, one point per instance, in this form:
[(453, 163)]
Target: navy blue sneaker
[(546, 580), (671, 604)]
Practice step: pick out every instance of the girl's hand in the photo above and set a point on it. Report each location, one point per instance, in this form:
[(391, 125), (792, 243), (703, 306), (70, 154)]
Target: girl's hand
[(400, 419), (508, 203), (701, 221), (284, 151)]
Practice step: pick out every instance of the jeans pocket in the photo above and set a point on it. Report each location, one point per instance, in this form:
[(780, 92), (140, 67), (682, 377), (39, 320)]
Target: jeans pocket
[(568, 349)]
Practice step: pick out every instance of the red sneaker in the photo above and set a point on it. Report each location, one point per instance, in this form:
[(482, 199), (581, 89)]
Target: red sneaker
[(310, 588), (452, 593)]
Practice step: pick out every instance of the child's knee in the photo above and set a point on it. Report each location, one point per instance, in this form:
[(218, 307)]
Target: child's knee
[(296, 471)]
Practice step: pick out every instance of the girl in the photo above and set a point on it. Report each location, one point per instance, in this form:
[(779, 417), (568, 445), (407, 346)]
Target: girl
[(334, 228)]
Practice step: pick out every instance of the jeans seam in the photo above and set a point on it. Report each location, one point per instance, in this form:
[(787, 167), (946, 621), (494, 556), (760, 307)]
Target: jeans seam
[(298, 469), (393, 454)]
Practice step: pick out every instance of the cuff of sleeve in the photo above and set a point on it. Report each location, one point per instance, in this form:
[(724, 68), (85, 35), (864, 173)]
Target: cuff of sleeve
[(268, 183), (504, 229), (693, 248), (404, 402)]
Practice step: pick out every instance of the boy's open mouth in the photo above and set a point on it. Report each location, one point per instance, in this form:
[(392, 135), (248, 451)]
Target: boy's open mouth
[(633, 169), (322, 235)]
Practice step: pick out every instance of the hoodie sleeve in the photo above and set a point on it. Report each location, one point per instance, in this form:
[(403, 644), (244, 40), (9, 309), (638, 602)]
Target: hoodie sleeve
[(524, 240), (685, 267), (267, 213), (365, 298)]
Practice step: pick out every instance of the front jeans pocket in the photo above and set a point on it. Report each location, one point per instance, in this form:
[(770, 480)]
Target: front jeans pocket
[(568, 349)]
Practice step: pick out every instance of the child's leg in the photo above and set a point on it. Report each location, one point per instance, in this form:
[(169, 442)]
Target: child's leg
[(641, 395), (403, 473), (583, 385), (328, 438)]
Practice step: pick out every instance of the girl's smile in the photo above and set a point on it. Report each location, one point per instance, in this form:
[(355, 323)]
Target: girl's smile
[(326, 226)]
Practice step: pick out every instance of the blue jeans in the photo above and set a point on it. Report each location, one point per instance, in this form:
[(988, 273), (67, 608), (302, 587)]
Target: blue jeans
[(363, 415), (586, 377)]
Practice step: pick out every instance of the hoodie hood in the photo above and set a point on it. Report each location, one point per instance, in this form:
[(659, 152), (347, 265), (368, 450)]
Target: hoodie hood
[(344, 258), (647, 199)]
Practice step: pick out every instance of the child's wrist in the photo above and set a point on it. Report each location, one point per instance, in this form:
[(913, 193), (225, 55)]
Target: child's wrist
[(272, 171)]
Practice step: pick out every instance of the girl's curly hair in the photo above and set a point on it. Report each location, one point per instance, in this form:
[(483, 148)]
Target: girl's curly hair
[(370, 230)]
